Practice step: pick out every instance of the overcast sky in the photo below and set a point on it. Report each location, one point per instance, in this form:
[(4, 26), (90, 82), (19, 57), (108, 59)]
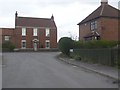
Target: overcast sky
[(67, 13)]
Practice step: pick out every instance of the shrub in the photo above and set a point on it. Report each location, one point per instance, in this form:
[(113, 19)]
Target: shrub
[(106, 44), (65, 44), (78, 44), (77, 57), (8, 46), (95, 44)]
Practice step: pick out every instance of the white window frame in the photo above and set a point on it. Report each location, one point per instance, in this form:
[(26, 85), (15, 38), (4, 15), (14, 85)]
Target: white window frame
[(47, 32), (93, 25), (35, 32), (22, 44), (7, 38), (47, 46), (23, 31)]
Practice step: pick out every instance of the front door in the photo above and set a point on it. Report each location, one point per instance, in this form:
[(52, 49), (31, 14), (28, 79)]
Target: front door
[(35, 46)]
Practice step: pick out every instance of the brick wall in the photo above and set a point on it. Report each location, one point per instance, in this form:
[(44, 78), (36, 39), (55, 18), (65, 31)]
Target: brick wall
[(18, 37), (53, 38), (106, 27), (84, 29), (109, 29), (29, 37), (8, 32), (41, 37)]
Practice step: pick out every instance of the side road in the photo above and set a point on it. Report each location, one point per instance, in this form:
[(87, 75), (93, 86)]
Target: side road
[(97, 68)]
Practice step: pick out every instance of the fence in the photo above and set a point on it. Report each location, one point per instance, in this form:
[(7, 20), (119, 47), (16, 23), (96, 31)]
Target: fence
[(106, 56)]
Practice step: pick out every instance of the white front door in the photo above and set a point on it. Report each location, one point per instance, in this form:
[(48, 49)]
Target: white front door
[(35, 46)]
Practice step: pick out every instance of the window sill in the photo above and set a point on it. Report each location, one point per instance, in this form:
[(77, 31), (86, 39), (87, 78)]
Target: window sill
[(34, 36)]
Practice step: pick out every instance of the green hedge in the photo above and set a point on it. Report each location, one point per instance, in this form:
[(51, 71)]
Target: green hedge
[(94, 44), (8, 46)]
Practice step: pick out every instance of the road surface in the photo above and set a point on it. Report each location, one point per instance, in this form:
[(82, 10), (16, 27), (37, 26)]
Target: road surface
[(44, 70)]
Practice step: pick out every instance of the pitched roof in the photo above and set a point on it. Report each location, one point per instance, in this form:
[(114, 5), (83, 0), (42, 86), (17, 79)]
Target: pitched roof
[(91, 34), (102, 11), (35, 22), (7, 31)]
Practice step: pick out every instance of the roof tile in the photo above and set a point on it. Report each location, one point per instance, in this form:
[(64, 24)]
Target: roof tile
[(102, 11), (35, 22)]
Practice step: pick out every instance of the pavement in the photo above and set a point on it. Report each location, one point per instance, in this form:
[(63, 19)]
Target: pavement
[(108, 71)]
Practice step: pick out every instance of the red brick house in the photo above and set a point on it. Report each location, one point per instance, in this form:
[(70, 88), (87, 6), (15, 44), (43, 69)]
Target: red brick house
[(35, 32), (7, 34), (32, 33), (100, 24)]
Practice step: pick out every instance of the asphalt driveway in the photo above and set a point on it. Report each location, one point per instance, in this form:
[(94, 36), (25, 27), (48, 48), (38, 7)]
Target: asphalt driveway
[(44, 70)]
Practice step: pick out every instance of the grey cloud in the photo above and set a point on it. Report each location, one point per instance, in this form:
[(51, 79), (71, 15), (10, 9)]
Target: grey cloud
[(9, 7), (26, 6), (57, 7), (64, 2)]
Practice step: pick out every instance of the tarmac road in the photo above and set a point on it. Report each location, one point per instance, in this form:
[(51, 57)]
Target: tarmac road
[(44, 70)]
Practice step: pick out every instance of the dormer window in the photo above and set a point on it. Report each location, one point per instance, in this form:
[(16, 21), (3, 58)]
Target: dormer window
[(93, 25)]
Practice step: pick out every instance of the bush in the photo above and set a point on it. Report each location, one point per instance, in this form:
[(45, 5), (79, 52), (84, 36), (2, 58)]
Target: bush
[(65, 44), (78, 44), (95, 44), (77, 57), (8, 46)]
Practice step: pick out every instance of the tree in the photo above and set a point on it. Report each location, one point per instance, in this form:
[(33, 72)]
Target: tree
[(65, 44)]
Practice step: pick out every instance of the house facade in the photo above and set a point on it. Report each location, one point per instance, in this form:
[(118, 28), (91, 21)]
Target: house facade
[(7, 34), (32, 33), (101, 24)]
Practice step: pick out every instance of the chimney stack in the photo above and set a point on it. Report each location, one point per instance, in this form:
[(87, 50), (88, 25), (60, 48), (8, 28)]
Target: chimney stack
[(52, 17), (16, 14), (104, 2)]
